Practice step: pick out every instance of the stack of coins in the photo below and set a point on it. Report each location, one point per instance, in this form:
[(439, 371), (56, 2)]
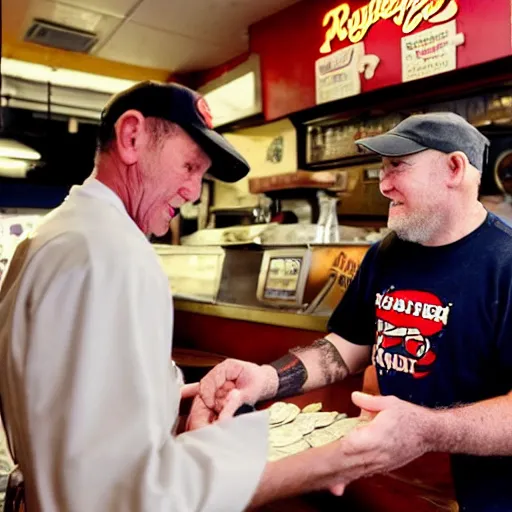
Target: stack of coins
[(293, 430)]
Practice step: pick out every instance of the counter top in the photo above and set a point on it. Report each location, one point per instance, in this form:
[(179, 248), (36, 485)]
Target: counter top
[(257, 315)]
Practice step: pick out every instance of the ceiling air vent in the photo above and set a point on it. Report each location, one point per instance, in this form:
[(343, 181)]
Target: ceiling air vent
[(52, 34)]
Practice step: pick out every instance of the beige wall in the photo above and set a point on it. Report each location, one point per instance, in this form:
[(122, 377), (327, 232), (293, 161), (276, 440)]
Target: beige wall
[(253, 144)]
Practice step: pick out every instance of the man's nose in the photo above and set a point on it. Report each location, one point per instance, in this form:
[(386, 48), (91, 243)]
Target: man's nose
[(385, 185), (192, 190)]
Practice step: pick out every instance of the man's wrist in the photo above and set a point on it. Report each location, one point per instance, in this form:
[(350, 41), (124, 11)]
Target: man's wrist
[(271, 382), (292, 375), (432, 430)]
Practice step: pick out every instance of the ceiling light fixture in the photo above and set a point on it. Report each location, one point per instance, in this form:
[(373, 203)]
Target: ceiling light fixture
[(13, 168), (63, 77), (10, 148)]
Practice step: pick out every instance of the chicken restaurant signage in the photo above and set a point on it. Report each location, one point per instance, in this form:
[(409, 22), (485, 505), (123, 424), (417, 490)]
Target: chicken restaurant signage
[(345, 23)]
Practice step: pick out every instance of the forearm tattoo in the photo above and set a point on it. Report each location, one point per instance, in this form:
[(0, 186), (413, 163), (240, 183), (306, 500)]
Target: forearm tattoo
[(292, 375), (332, 365)]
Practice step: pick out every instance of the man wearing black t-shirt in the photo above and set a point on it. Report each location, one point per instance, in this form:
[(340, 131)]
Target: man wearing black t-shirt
[(430, 307)]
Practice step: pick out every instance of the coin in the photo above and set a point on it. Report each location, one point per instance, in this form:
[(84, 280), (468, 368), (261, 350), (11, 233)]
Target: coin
[(284, 436), (283, 414), (276, 453), (293, 412), (278, 412), (316, 407), (324, 419), (319, 437), (292, 430), (305, 423), (343, 427)]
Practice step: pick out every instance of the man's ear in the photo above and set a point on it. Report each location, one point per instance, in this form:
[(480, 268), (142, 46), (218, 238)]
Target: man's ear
[(457, 164), (130, 132)]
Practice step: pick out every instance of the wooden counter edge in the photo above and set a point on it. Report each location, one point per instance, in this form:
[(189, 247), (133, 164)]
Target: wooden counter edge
[(247, 314)]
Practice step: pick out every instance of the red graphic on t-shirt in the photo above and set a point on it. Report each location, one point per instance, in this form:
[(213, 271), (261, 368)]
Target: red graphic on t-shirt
[(204, 110), (406, 322)]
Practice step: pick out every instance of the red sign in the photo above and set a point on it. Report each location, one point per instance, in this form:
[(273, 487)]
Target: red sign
[(344, 23), (289, 42)]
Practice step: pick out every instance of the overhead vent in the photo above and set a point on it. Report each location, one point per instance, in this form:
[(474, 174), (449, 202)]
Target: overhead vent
[(52, 34)]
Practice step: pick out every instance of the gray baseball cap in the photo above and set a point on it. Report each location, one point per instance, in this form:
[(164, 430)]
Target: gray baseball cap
[(444, 131)]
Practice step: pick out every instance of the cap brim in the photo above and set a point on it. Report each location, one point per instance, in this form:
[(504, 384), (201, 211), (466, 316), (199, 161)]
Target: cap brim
[(227, 163), (389, 144)]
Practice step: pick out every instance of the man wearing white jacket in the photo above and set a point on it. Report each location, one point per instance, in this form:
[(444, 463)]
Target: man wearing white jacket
[(88, 394)]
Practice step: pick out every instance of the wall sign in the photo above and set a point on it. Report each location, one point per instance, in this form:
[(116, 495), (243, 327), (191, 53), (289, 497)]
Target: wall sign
[(430, 51), (337, 75), (288, 77), (409, 14)]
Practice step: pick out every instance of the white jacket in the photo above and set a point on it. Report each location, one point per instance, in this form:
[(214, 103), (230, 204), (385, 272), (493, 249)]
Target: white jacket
[(88, 392)]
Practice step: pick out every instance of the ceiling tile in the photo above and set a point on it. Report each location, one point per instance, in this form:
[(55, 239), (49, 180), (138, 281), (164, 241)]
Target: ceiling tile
[(72, 16), (153, 48), (117, 8), (196, 34), (210, 20)]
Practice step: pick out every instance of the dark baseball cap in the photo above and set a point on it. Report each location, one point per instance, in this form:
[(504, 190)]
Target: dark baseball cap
[(186, 108), (444, 131)]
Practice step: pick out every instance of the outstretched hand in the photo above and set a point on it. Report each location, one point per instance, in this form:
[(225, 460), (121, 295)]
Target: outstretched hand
[(397, 434)]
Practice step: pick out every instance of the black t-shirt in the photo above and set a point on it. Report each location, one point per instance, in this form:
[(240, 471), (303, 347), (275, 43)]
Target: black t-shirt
[(440, 322)]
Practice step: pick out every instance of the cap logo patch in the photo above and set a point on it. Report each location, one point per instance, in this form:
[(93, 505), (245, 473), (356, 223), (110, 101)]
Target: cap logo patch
[(204, 110)]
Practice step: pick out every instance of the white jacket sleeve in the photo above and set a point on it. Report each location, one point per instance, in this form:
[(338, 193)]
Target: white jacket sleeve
[(101, 399)]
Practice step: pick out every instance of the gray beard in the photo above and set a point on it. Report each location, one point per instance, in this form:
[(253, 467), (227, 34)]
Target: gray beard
[(416, 228)]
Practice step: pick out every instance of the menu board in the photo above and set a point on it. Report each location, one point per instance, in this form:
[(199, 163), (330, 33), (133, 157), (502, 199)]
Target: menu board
[(337, 74), (430, 52)]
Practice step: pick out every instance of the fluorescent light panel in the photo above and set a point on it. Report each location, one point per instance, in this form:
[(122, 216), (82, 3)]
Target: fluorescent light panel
[(63, 77), (13, 168), (10, 148), (234, 100)]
